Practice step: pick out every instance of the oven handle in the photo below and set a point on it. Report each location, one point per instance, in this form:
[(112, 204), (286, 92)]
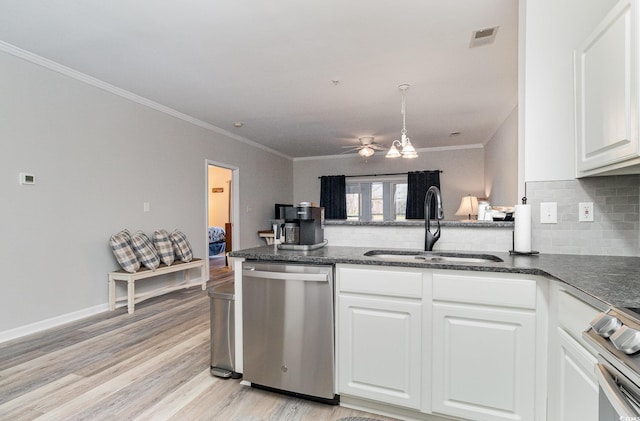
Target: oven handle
[(610, 388)]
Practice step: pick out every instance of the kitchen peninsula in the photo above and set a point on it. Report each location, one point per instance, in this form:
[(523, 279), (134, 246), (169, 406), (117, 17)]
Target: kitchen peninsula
[(603, 281), (478, 340)]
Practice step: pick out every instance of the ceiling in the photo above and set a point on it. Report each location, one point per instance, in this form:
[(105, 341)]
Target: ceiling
[(304, 77)]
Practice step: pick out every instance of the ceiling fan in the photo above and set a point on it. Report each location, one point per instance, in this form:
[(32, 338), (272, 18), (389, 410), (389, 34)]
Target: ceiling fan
[(367, 147)]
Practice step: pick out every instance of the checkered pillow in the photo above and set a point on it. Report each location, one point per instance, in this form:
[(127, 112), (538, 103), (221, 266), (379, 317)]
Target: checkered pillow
[(162, 242), (121, 246), (144, 250), (126, 234), (181, 246)]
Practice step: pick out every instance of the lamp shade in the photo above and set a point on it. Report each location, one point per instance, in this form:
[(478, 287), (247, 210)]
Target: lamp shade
[(408, 151), (393, 152), (468, 207)]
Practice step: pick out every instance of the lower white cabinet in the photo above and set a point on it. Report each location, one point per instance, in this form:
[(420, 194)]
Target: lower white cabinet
[(379, 337), (573, 388), (447, 343), (484, 358), (380, 347), (576, 391)]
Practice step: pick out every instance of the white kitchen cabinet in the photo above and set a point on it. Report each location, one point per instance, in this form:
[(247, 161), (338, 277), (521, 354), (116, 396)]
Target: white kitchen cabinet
[(606, 95), (484, 346), (440, 342), (379, 335), (573, 388), (380, 350)]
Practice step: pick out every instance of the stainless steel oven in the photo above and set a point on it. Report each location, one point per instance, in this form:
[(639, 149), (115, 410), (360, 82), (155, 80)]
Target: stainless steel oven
[(615, 334)]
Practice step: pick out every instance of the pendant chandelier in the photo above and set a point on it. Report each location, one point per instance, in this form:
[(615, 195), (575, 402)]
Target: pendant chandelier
[(402, 147)]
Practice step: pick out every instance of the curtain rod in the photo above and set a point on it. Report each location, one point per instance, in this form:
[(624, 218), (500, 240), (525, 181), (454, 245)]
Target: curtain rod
[(381, 175)]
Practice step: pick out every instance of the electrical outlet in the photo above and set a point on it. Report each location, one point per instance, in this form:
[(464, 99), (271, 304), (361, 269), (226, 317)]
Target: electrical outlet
[(146, 207), (585, 211), (548, 213)]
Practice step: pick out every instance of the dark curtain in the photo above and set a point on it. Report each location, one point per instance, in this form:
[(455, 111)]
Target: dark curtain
[(333, 196), (418, 182)]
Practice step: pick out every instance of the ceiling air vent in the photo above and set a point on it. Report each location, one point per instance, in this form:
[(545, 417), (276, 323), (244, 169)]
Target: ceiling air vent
[(483, 36)]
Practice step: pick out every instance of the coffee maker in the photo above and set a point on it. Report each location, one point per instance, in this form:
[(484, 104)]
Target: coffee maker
[(304, 224)]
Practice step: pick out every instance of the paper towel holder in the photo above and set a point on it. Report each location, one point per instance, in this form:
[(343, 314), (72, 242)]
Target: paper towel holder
[(520, 253)]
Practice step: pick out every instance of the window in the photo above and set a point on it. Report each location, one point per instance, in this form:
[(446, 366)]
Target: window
[(353, 202), (373, 199)]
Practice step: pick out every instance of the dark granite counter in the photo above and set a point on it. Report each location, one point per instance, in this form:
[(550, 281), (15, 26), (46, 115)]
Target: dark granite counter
[(420, 223), (602, 281)]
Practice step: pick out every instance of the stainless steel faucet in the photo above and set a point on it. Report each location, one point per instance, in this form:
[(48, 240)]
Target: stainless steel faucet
[(429, 237)]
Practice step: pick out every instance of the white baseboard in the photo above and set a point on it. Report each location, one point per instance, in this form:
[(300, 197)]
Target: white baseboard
[(21, 331), (18, 332)]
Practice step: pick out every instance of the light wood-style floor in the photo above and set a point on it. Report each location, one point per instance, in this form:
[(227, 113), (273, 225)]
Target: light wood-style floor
[(151, 365)]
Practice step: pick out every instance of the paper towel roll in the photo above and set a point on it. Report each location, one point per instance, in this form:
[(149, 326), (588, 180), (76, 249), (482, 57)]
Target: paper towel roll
[(522, 234)]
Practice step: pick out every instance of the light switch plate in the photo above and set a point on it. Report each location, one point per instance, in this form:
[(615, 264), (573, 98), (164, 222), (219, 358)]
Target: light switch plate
[(27, 179), (548, 213), (585, 211)]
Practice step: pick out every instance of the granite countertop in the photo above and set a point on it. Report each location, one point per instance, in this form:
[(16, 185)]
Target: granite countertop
[(420, 223), (602, 281)]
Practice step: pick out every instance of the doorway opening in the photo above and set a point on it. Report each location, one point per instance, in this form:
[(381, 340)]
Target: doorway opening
[(221, 205)]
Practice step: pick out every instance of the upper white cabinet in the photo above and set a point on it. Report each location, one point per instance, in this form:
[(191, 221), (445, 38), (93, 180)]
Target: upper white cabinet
[(606, 95)]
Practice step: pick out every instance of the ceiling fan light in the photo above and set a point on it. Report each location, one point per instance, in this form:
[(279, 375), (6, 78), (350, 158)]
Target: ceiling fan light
[(366, 152), (393, 151)]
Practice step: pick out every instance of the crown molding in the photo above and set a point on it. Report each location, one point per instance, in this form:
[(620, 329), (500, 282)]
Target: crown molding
[(432, 149), (90, 80)]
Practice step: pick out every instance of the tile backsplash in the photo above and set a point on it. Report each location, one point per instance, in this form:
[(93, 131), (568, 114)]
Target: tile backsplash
[(615, 230)]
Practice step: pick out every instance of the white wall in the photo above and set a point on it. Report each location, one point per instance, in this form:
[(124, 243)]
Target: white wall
[(501, 163), (552, 30), (97, 157), (412, 237), (463, 172)]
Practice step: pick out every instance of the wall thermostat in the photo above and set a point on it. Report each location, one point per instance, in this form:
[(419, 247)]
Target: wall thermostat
[(26, 178)]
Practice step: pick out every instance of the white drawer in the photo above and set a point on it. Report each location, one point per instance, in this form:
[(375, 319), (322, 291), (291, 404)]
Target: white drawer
[(493, 289), (380, 280), (574, 314)]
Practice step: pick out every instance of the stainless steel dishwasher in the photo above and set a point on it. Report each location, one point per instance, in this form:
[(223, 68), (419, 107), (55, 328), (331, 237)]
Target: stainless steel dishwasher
[(288, 328)]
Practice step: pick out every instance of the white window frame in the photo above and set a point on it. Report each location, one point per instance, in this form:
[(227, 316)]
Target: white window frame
[(365, 195)]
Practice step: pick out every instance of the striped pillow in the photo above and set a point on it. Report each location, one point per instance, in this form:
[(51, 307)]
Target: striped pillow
[(164, 247), (144, 250), (121, 246), (181, 246)]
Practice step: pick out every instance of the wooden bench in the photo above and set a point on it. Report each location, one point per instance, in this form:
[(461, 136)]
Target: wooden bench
[(144, 273)]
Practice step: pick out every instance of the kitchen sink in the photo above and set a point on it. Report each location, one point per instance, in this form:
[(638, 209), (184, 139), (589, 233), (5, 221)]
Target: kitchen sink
[(431, 256)]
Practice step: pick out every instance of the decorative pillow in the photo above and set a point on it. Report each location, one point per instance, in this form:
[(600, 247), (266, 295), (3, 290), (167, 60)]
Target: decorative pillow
[(181, 246), (144, 250), (164, 246), (126, 234), (122, 250), (216, 234)]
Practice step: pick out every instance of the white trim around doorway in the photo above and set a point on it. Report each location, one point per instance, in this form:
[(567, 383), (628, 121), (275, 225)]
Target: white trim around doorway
[(235, 204)]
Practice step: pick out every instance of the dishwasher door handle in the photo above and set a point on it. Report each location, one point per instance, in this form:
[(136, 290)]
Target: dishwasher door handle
[(287, 276)]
